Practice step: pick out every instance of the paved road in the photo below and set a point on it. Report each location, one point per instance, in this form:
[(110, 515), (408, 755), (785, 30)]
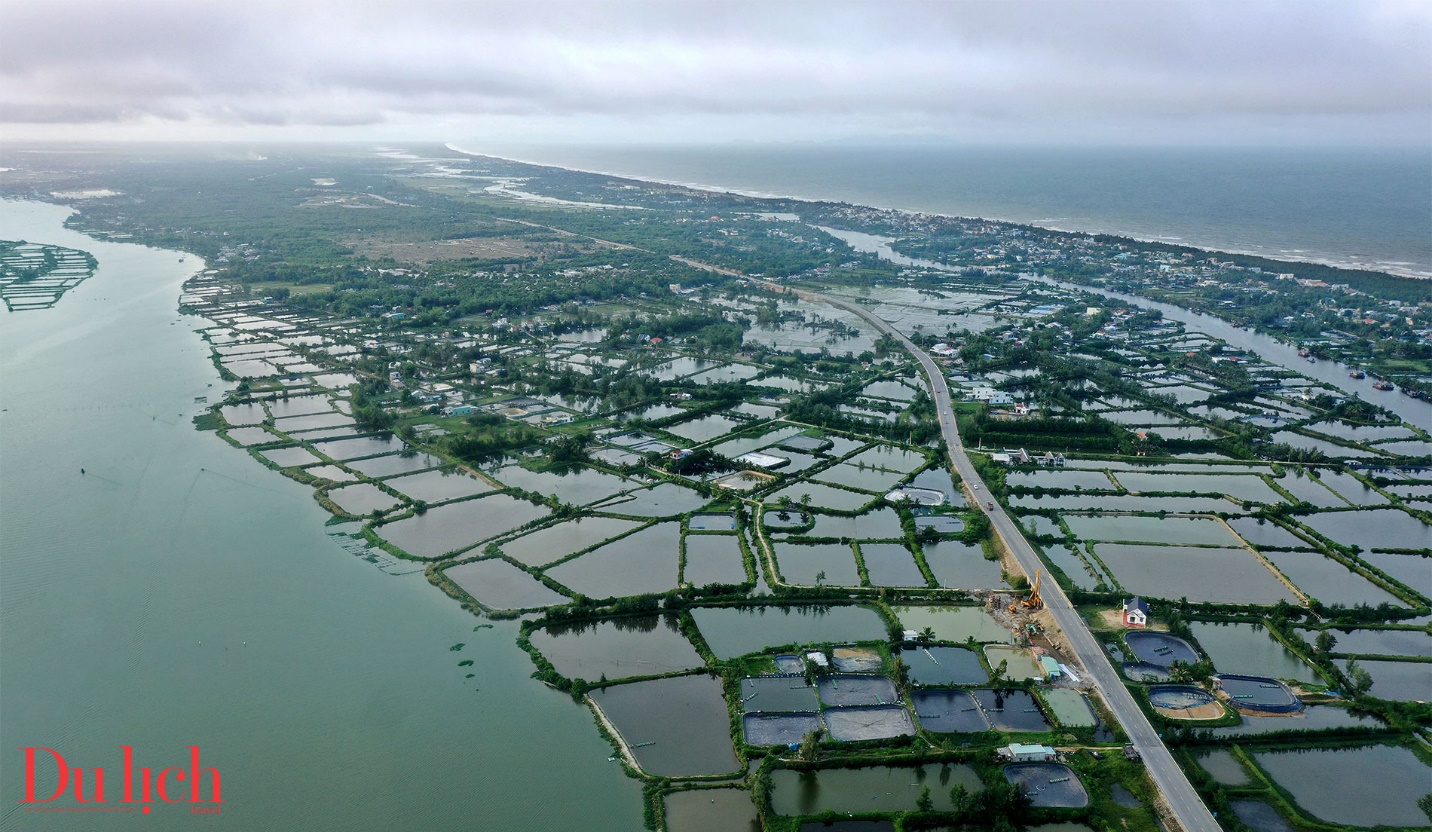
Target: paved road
[(1191, 814)]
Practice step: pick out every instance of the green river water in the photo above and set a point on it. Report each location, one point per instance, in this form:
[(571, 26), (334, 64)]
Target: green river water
[(179, 594)]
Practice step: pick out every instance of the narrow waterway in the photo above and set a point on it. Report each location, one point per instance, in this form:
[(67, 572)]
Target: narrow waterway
[(1414, 411), (176, 593)]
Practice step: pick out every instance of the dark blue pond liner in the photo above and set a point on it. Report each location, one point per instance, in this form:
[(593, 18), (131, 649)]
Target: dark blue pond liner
[(1011, 710), (786, 663), (879, 722), (944, 666), (778, 729), (1160, 648), (1145, 672), (949, 712), (1049, 785), (1256, 693), (1177, 697), (850, 689), (778, 694)]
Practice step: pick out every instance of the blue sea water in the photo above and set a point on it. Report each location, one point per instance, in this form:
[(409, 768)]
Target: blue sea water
[(1366, 208)]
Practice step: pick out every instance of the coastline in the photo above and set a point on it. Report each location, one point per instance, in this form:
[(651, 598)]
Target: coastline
[(1210, 248)]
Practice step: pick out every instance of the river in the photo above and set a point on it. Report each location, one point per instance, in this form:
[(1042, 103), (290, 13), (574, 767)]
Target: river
[(1414, 411), (177, 593)]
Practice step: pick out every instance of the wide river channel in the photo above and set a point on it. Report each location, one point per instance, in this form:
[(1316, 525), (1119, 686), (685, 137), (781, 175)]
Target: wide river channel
[(177, 593)]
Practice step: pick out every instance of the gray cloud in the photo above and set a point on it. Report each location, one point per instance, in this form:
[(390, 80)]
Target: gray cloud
[(1004, 70)]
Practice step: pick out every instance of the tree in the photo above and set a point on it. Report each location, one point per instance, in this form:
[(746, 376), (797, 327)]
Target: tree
[(1359, 680), (810, 745), (923, 803), (1325, 642), (926, 635)]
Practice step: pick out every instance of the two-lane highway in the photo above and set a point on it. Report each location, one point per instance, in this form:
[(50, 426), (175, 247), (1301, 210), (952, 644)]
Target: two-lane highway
[(1179, 797)]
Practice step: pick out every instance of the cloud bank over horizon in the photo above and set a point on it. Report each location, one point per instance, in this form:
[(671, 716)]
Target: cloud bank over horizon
[(1025, 71)]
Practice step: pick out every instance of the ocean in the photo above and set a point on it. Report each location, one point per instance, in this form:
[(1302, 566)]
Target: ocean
[(1363, 208)]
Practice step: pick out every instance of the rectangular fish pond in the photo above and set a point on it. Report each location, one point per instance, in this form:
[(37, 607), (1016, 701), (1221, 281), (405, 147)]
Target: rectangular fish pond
[(871, 789), (1376, 784), (738, 631), (643, 645), (675, 727), (955, 624)]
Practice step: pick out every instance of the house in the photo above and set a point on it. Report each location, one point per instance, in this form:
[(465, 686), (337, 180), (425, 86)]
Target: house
[(1018, 752), (1136, 612)]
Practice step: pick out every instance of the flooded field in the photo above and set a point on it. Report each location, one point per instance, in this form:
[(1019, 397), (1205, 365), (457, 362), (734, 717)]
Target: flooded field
[(1372, 529), (736, 631), (643, 562), (1397, 681), (645, 645), (459, 525), (664, 500), (1377, 785), (1329, 581), (958, 565), (1310, 719), (891, 564), (343, 449), (1070, 480), (676, 727), (439, 486), (498, 585), (288, 457), (1232, 576), (556, 542), (1249, 648), (1239, 487), (1224, 767), (1127, 502), (362, 499), (880, 524), (713, 559), (392, 464), (817, 564), (1179, 530), (873, 789), (865, 479), (704, 429), (1382, 642), (1262, 533), (1413, 570), (711, 810), (822, 496), (578, 486)]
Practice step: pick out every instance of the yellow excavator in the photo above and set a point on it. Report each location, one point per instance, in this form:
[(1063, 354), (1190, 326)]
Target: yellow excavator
[(1033, 602)]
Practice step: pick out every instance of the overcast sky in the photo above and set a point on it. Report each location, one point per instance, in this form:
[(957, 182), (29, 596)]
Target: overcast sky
[(1205, 72)]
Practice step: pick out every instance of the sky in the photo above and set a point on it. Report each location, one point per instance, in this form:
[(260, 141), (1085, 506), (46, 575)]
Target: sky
[(1052, 72)]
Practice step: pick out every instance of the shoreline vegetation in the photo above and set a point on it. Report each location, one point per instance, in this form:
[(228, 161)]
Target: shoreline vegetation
[(725, 512), (1207, 248)]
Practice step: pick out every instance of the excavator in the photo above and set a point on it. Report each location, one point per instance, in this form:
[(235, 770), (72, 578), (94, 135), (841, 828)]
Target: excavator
[(1033, 602)]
